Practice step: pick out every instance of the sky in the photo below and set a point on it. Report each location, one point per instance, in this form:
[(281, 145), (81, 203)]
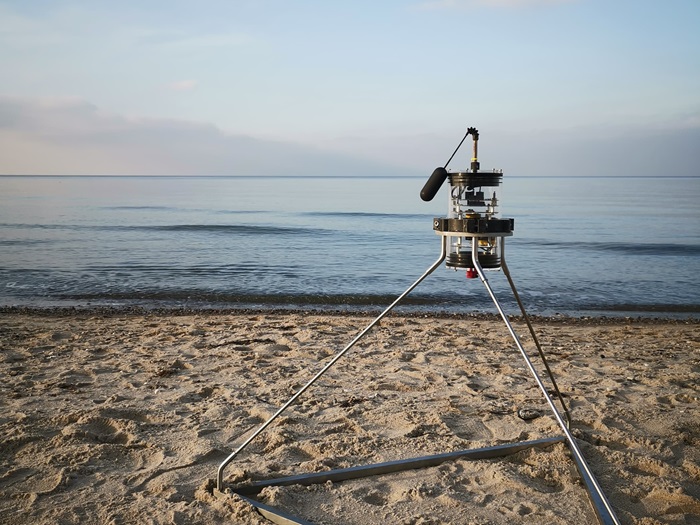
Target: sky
[(361, 87)]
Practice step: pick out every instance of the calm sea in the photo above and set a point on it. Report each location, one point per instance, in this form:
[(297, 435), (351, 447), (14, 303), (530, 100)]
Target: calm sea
[(582, 246)]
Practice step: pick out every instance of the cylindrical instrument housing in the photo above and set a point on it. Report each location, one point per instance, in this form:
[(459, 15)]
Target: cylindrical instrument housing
[(473, 217)]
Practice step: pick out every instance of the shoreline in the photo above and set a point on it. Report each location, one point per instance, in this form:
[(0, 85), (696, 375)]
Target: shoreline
[(112, 415), (584, 319)]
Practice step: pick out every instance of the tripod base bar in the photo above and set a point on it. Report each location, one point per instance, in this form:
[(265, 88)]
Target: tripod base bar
[(395, 466)]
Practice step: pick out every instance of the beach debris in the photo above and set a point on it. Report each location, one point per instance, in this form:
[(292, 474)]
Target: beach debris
[(527, 414)]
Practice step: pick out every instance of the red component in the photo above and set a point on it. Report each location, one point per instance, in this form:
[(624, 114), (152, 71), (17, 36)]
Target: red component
[(472, 273)]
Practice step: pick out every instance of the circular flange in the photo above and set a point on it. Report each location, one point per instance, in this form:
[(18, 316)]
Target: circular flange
[(464, 260), (474, 179), (474, 227)]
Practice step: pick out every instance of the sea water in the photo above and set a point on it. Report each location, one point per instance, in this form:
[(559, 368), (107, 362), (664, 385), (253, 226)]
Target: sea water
[(581, 246)]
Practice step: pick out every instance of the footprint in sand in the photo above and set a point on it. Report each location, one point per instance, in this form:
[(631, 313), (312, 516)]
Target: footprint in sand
[(33, 481), (101, 430)]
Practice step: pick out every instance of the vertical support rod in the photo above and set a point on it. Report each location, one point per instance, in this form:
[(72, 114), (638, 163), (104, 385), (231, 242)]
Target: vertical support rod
[(431, 269), (603, 509), (504, 266)]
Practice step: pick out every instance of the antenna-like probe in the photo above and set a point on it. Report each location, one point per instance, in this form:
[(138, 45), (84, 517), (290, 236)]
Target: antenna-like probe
[(440, 174)]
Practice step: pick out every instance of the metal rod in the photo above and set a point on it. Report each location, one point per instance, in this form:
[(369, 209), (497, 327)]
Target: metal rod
[(391, 467), (602, 506), (469, 130), (431, 269), (504, 266)]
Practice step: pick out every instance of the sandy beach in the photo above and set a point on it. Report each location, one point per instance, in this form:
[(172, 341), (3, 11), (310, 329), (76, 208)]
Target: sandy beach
[(123, 417)]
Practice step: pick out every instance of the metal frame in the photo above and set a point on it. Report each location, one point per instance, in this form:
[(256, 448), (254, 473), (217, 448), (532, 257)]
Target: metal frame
[(601, 505)]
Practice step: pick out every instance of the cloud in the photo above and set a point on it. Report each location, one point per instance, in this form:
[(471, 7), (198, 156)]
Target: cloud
[(182, 85), (55, 136), (469, 4)]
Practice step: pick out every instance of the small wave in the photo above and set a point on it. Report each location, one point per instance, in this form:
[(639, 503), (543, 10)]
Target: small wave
[(241, 229), (241, 268), (644, 308), (24, 242), (281, 299), (25, 226), (670, 249)]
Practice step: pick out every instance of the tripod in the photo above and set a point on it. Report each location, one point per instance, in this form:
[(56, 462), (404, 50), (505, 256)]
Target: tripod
[(470, 240)]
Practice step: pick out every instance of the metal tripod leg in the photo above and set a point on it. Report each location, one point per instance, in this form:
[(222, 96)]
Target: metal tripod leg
[(602, 507), (504, 266), (431, 269)]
